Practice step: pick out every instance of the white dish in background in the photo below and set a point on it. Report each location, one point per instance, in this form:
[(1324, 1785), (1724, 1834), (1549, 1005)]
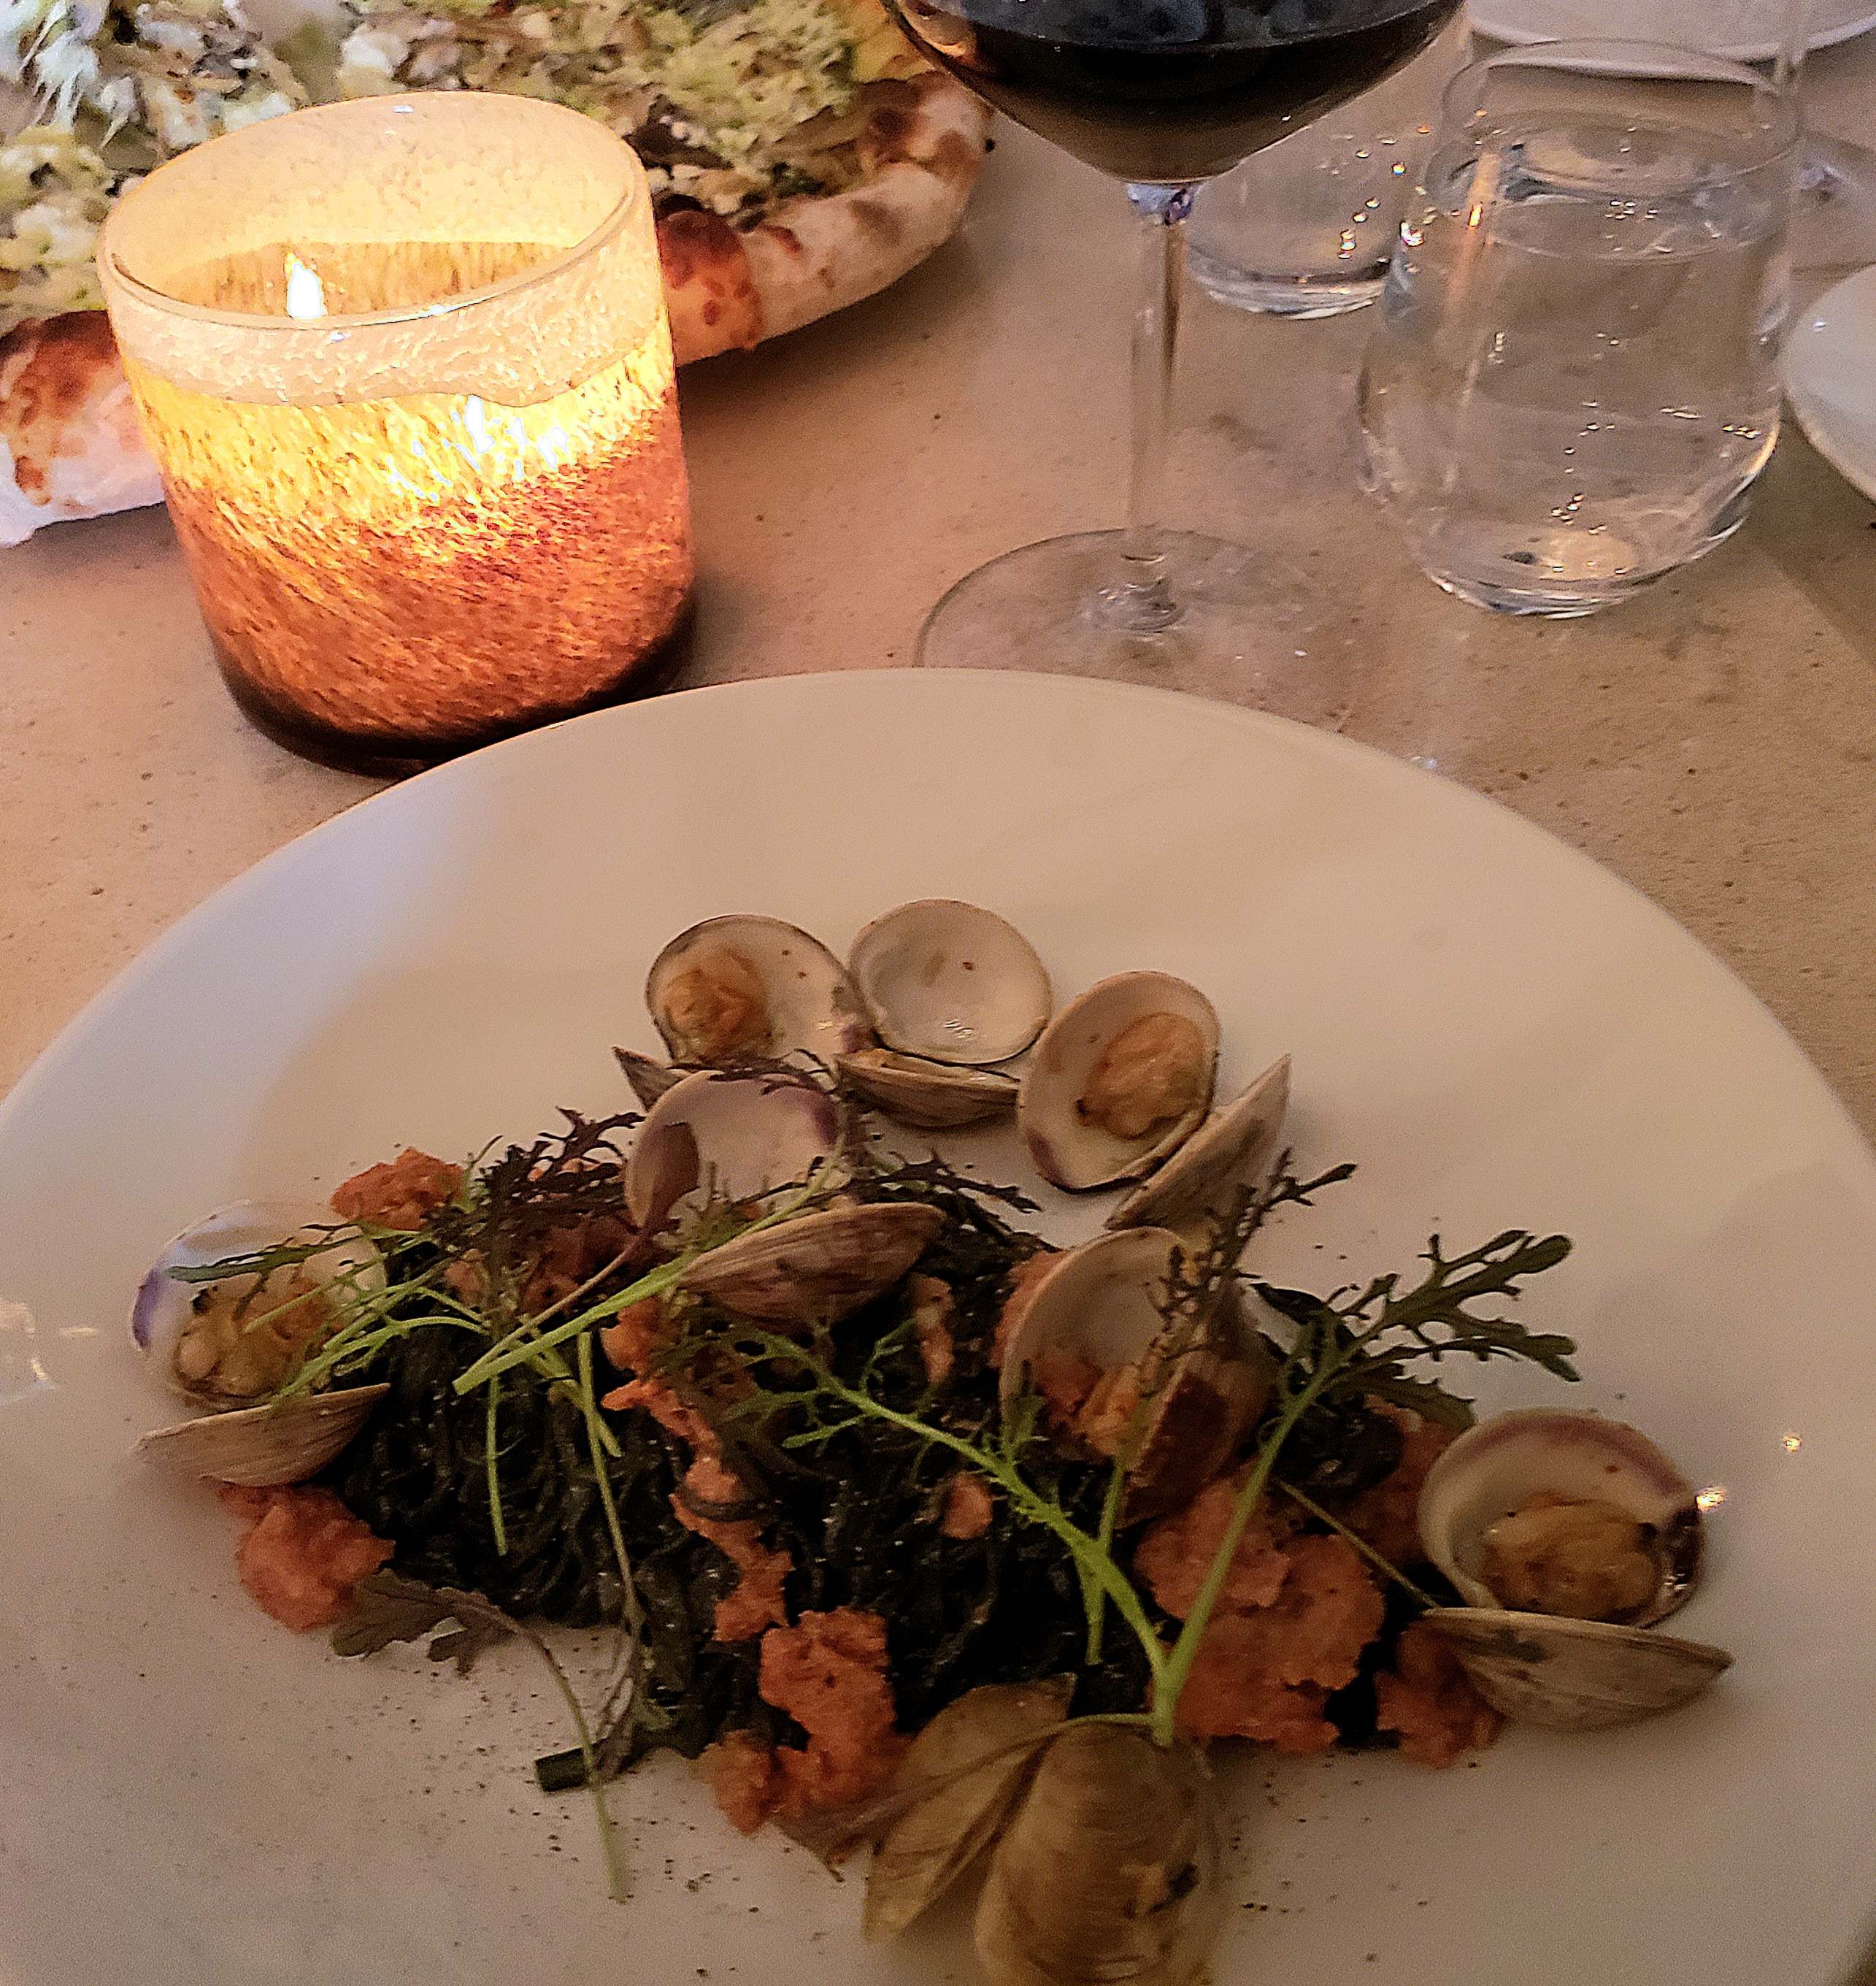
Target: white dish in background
[(1739, 30), (1830, 366), (1498, 1032)]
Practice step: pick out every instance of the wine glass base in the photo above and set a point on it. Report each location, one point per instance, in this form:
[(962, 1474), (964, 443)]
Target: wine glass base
[(1248, 630), (1292, 296)]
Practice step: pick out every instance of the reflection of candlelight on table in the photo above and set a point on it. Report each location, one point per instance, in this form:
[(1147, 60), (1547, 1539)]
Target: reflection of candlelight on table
[(401, 544)]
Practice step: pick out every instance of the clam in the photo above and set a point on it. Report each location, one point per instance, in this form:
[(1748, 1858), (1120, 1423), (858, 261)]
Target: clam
[(1098, 1336), (226, 1343), (1569, 1537), (934, 1095), (223, 1344), (974, 1756), (1109, 1871), (1614, 1533), (1121, 1077), (1236, 1147), (285, 1443), (951, 982), (817, 1267), (649, 1077), (1575, 1675), (736, 986), (751, 1135)]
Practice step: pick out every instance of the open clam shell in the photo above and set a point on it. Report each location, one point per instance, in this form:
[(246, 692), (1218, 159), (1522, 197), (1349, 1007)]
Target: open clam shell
[(1103, 1306), (935, 1096), (1236, 1147), (285, 1443), (1121, 1078), (951, 982), (752, 1134), (975, 1755), (818, 1267), (742, 986), (1494, 1470), (649, 1077), (1575, 1675), (1109, 1869), (222, 1344)]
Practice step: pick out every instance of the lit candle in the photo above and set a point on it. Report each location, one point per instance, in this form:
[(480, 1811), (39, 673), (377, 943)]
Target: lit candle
[(405, 365)]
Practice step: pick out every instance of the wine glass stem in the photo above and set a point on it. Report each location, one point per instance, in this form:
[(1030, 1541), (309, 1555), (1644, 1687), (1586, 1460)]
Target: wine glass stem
[(1141, 602)]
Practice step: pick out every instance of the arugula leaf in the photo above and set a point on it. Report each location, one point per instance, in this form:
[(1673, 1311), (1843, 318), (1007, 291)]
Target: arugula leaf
[(387, 1607)]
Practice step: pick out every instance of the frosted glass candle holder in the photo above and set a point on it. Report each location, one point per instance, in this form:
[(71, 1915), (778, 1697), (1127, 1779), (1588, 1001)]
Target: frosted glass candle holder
[(405, 365)]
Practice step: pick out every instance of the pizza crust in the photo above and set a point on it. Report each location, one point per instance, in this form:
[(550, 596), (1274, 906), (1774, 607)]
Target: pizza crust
[(710, 291), (69, 445), (818, 254)]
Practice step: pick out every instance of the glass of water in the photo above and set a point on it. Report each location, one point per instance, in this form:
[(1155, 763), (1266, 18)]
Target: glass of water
[(1573, 385), (1306, 227)]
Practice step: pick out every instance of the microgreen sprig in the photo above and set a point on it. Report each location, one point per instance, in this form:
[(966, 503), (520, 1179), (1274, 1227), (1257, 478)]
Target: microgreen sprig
[(524, 1343)]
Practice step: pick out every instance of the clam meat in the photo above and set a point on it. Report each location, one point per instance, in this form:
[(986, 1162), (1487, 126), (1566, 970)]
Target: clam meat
[(735, 987), (1121, 1077), (1235, 1148), (225, 1345)]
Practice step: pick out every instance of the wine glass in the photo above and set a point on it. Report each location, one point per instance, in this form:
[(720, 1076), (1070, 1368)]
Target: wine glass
[(1162, 95), (1833, 208)]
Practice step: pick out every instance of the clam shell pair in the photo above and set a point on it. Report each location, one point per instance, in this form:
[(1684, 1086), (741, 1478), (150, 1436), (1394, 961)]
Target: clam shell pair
[(257, 1445), (1188, 1162), (1547, 1668), (932, 995), (1105, 1851)]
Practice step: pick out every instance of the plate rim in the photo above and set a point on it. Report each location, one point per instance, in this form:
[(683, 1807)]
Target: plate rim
[(1476, 13), (1806, 404)]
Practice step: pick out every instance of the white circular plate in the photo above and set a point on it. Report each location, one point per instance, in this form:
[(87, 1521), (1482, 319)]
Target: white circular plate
[(1498, 1032), (1739, 30), (1830, 362)]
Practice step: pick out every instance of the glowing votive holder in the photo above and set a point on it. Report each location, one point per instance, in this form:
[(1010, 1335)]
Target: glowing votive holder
[(405, 365)]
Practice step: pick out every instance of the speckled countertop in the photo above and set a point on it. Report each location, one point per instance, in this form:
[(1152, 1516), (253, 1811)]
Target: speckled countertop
[(1713, 741)]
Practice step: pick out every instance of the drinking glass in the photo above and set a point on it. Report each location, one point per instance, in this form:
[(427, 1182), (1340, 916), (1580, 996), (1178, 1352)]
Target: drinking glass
[(1573, 385), (1162, 98), (1305, 228)]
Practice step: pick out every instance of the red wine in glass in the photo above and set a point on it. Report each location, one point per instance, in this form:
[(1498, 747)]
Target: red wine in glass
[(1162, 95)]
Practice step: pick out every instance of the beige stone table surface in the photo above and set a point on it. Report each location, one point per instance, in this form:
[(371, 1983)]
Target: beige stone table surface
[(1714, 742)]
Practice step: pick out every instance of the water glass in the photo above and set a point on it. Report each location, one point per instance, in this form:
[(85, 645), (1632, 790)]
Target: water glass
[(1305, 228), (1572, 385)]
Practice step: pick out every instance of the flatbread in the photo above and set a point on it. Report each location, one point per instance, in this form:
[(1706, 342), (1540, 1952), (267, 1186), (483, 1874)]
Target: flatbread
[(729, 287), (69, 445)]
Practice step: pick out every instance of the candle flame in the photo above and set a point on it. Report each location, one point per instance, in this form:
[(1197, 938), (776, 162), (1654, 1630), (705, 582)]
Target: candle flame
[(306, 295)]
